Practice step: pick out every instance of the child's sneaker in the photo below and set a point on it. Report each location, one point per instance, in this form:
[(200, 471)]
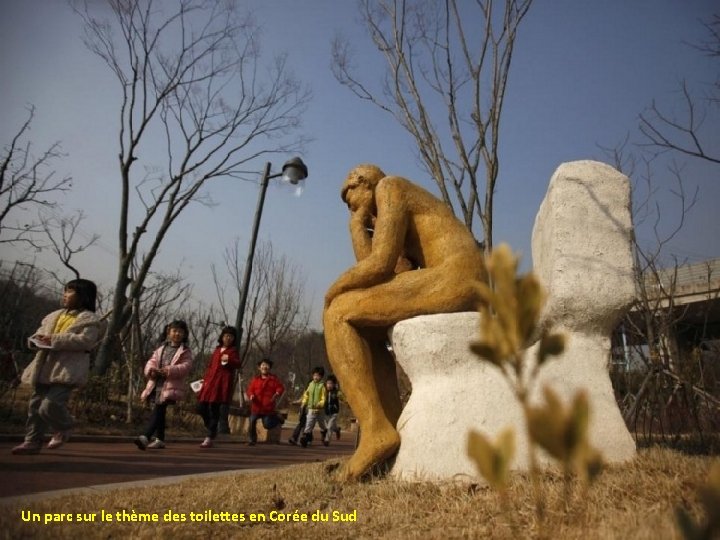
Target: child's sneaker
[(293, 441), (304, 441), (58, 439), (156, 444), (207, 443), (27, 448), (141, 442)]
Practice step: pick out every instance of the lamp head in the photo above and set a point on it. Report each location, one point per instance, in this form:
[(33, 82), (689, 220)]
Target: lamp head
[(294, 171)]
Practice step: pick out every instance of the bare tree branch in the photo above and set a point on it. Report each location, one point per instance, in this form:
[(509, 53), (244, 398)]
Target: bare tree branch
[(27, 181), (664, 132), (455, 53), (192, 76), (60, 233)]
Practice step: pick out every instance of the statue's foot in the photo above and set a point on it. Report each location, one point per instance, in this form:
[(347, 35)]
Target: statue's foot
[(375, 448)]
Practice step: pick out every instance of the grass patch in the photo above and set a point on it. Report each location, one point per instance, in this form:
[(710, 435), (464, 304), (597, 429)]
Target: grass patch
[(637, 500)]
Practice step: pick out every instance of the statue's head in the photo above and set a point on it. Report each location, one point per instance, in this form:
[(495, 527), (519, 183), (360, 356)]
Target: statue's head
[(366, 174)]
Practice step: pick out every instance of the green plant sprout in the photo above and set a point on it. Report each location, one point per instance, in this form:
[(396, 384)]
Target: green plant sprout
[(509, 321)]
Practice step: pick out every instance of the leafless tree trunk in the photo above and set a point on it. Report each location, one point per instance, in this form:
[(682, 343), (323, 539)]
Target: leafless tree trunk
[(192, 77), (132, 359), (672, 397), (456, 53), (26, 181)]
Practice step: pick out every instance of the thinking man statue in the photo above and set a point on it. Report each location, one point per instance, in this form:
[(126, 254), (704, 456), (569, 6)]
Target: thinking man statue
[(414, 257)]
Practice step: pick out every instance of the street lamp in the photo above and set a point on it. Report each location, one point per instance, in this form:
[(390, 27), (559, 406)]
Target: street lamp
[(294, 171)]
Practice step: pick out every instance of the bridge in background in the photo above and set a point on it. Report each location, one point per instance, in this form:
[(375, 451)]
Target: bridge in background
[(684, 303)]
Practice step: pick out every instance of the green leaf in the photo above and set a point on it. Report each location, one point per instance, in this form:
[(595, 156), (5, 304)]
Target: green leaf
[(553, 344), (578, 422), (486, 351), (492, 461), (531, 299)]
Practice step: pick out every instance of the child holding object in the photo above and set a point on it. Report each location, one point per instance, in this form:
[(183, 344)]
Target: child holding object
[(62, 363), (217, 383), (166, 372)]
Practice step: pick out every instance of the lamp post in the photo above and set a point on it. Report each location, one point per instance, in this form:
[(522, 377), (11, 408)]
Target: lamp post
[(293, 171)]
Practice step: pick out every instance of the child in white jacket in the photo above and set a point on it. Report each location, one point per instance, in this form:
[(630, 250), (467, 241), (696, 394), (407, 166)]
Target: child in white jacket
[(61, 364)]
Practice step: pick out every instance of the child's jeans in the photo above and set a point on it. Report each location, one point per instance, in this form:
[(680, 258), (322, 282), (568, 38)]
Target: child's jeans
[(314, 415), (331, 426), (48, 409), (156, 426)]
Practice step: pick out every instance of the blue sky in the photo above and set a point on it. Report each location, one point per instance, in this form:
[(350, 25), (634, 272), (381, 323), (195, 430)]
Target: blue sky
[(582, 72)]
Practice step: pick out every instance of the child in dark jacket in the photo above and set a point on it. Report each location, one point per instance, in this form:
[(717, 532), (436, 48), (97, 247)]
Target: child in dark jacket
[(332, 409)]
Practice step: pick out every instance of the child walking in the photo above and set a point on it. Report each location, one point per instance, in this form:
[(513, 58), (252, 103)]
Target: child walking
[(314, 400), (300, 426), (62, 363), (166, 372), (332, 409), (264, 392), (218, 383)]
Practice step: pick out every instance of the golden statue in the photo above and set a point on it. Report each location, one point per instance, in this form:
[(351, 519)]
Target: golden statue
[(414, 257)]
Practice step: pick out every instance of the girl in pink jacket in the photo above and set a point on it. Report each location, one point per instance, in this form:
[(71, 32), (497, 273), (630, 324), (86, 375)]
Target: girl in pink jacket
[(166, 371)]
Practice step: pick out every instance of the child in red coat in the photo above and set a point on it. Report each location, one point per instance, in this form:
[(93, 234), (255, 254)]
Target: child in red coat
[(264, 391), (217, 384)]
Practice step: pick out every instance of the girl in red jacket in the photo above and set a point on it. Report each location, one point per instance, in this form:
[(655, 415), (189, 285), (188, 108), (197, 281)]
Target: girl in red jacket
[(218, 383), (264, 392)]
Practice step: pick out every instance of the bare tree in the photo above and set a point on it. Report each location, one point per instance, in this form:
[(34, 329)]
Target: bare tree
[(454, 53), (274, 311), (281, 314), (60, 233), (192, 78), (677, 393), (663, 388), (27, 180), (666, 132), (25, 298)]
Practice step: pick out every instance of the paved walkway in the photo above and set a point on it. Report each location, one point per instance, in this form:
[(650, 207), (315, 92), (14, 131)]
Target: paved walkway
[(92, 461)]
